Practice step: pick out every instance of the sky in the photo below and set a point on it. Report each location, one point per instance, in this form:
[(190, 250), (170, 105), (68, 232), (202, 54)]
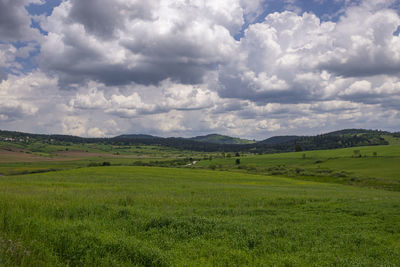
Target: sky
[(245, 68)]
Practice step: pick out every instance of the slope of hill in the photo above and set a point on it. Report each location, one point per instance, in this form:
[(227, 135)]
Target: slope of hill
[(135, 136), (279, 139), (340, 139), (357, 132), (221, 139)]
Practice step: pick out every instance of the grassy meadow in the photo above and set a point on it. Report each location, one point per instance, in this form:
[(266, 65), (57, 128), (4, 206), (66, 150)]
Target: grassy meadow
[(317, 208), (149, 216), (371, 166)]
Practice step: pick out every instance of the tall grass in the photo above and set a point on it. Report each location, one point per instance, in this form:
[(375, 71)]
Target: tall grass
[(148, 216)]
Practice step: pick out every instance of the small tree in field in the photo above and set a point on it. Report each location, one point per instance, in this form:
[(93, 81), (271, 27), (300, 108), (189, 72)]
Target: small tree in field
[(237, 161)]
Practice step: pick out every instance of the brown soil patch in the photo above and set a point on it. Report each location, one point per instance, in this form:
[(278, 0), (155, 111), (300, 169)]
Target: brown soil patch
[(19, 156)]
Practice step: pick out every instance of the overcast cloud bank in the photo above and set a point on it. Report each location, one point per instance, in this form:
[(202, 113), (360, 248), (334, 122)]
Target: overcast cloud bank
[(102, 68)]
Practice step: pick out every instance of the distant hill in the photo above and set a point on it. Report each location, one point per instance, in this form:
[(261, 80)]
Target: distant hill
[(135, 136), (336, 139), (221, 139), (215, 142), (358, 132), (279, 139)]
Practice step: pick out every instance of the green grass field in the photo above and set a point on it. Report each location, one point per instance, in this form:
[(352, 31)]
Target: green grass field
[(148, 216), (372, 166), (288, 209)]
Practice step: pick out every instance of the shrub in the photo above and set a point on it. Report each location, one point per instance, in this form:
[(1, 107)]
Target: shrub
[(299, 170), (298, 148), (212, 166), (251, 167)]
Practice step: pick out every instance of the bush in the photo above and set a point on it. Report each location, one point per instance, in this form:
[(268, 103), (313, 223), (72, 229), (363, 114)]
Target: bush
[(298, 148), (212, 166), (357, 153), (106, 163), (299, 170), (251, 167), (139, 163)]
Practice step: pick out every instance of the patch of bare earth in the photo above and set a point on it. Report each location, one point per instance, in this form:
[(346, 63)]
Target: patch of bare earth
[(13, 155), (83, 154), (19, 156)]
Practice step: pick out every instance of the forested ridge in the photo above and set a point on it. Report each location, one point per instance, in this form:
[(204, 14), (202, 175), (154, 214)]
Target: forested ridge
[(337, 139)]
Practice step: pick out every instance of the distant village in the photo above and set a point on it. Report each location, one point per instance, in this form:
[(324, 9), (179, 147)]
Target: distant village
[(15, 139), (24, 139)]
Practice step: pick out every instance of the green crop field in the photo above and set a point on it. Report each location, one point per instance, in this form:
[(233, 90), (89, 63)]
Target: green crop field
[(148, 216)]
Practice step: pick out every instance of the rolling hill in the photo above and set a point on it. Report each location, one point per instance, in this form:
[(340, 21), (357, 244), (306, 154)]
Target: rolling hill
[(279, 139), (215, 142), (221, 139)]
